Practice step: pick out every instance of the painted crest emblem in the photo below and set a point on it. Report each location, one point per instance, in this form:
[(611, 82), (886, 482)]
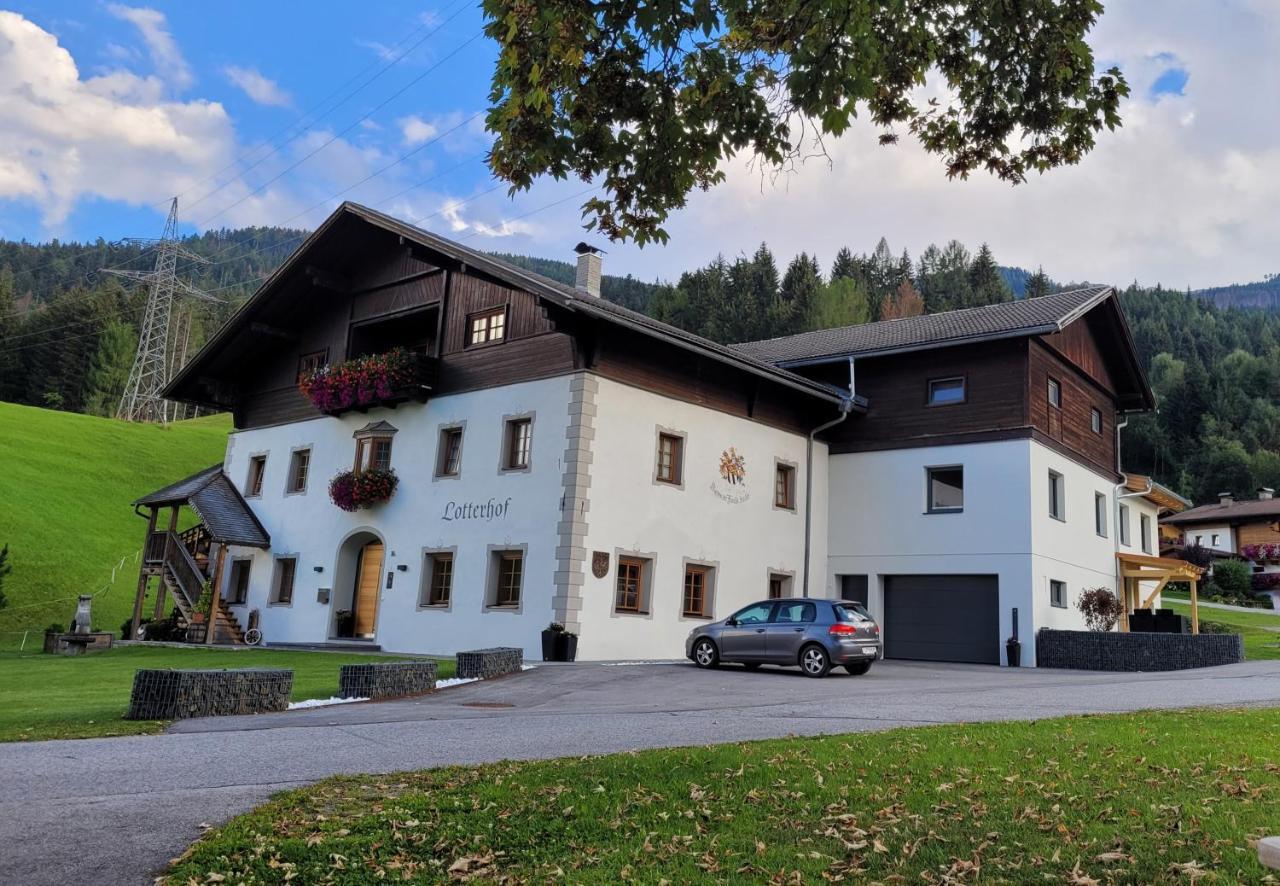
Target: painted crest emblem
[(599, 563), (732, 485)]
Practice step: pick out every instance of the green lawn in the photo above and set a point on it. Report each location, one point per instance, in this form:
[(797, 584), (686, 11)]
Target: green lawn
[(55, 696), (1136, 798), (64, 511), (1259, 643)]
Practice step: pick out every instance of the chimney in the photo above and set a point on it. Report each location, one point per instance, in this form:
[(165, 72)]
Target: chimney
[(1226, 498), (1266, 493), (589, 263)]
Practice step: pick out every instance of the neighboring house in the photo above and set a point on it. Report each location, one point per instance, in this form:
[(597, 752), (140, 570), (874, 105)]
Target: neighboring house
[(1230, 526), (560, 458), (1167, 503)]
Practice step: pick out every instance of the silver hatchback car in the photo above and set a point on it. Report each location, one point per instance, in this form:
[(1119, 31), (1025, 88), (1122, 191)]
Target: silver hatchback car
[(814, 634)]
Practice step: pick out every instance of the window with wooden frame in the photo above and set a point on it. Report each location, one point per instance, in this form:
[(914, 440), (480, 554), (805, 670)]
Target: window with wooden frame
[(487, 326), (670, 459), (508, 577), (309, 363), (784, 487), (1054, 393), (697, 591), (449, 454), (438, 569), (629, 596), (257, 470), (1095, 420), (282, 586), (373, 452), (519, 444), (238, 585), (946, 391), (299, 466)]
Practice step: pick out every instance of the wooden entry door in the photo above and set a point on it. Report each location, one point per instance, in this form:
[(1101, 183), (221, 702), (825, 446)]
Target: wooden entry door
[(368, 580)]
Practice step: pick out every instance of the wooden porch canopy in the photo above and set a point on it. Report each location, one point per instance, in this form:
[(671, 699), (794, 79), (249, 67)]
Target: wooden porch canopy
[(1137, 568), (216, 501)]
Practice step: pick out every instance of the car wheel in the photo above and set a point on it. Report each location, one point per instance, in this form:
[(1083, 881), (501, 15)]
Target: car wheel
[(751, 665), (705, 654), (814, 661), (858, 668)]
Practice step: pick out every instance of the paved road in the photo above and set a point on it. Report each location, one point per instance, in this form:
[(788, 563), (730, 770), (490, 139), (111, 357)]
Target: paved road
[(115, 810)]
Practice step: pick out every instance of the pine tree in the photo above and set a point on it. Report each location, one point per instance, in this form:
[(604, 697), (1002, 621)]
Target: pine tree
[(842, 302), (883, 269), (986, 285), (845, 264), (800, 287), (10, 364), (1038, 284), (109, 371)]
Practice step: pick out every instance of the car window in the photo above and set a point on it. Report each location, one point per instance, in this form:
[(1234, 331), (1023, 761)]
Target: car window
[(795, 613), (753, 615), (852, 611)]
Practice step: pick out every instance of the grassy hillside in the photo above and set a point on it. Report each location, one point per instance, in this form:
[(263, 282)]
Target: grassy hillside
[(64, 506)]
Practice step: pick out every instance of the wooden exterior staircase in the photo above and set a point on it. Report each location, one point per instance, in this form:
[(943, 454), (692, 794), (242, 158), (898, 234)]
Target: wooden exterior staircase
[(183, 563)]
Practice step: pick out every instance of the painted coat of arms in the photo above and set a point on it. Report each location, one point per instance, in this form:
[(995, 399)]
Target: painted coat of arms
[(732, 485), (599, 563)]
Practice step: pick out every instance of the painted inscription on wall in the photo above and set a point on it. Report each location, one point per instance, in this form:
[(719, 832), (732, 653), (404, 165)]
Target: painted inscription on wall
[(486, 511)]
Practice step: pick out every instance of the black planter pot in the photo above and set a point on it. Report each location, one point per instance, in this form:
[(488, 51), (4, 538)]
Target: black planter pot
[(566, 646), (549, 645), (1013, 652)]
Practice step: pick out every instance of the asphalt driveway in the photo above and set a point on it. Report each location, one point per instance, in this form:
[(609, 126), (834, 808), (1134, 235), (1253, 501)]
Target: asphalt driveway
[(115, 810)]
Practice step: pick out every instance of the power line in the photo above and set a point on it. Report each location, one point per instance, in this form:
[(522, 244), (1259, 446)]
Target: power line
[(352, 126)]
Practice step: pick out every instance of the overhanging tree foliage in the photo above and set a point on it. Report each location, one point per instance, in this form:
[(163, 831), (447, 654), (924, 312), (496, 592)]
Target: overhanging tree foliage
[(649, 99)]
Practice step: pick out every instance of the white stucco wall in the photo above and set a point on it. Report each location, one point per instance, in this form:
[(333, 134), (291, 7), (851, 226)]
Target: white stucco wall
[(1226, 537), (630, 513), (311, 527)]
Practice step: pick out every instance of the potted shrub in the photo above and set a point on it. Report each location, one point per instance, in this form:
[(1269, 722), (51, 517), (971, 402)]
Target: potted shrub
[(344, 623), (1013, 651), (549, 635), (363, 381), (566, 646), (356, 490)]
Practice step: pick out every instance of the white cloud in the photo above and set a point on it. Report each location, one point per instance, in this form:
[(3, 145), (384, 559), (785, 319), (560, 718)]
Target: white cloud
[(165, 55), (115, 137), (415, 131), (261, 89)]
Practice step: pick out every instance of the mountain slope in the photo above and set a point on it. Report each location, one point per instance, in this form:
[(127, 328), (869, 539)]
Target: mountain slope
[(65, 511)]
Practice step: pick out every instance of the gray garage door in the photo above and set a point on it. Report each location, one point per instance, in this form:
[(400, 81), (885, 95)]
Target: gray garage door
[(942, 618)]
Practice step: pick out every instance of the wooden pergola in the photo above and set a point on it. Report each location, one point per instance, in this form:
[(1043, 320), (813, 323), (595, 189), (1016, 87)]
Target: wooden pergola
[(1137, 568)]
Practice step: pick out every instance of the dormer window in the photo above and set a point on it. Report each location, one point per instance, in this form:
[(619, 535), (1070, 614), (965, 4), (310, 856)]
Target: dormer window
[(487, 326), (373, 447)]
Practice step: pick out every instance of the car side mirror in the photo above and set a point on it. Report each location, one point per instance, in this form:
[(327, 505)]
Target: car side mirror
[(731, 622)]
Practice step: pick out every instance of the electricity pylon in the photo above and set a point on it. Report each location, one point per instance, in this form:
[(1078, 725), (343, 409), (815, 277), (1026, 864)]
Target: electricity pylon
[(158, 346)]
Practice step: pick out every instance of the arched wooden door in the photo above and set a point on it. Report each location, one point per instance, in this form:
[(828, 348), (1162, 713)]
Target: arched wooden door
[(368, 579)]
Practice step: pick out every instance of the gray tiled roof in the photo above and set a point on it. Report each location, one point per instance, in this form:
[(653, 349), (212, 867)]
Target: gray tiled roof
[(1236, 512), (1032, 316), (218, 504)]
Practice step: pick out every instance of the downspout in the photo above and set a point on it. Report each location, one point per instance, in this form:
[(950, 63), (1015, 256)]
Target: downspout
[(846, 406), (1119, 496)]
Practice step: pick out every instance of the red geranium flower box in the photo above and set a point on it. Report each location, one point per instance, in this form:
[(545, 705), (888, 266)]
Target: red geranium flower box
[(372, 380), (356, 490)]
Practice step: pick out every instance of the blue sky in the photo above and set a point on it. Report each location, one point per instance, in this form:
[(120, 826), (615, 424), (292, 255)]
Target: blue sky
[(108, 108)]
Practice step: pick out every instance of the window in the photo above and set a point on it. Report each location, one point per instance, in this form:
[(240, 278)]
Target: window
[(449, 458), (670, 458), (795, 613), (697, 594), (519, 444), (1124, 525), (373, 453), (299, 464), (1100, 514), (1213, 543), (784, 487), (1144, 527), (946, 489), (1199, 540), (257, 468), (238, 586), (509, 575), (1057, 503), (1055, 394), (630, 590), (309, 363), (438, 572), (1095, 420), (487, 326), (779, 586), (756, 614), (282, 587), (1058, 594), (946, 391)]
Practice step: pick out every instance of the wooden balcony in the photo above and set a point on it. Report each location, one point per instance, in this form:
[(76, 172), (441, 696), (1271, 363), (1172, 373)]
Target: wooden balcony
[(421, 385)]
